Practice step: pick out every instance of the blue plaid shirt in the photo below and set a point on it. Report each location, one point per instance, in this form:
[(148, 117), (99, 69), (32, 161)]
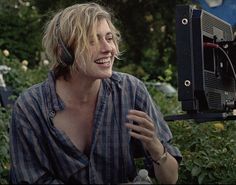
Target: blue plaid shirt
[(41, 153)]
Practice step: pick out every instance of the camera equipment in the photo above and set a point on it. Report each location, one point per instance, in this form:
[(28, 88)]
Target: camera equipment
[(206, 66)]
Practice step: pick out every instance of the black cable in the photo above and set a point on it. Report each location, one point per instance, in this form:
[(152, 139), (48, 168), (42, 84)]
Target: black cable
[(229, 60), (213, 45)]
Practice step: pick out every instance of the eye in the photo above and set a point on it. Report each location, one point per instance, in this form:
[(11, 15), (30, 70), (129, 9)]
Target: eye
[(109, 38), (92, 42)]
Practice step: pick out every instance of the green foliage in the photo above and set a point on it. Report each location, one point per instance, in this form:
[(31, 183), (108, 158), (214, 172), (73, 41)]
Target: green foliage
[(134, 70), (167, 104), (19, 78), (209, 152), (4, 144), (20, 30)]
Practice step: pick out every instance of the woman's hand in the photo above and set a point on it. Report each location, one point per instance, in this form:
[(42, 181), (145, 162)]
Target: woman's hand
[(145, 131)]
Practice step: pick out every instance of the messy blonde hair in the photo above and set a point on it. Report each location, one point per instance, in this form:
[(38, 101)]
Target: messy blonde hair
[(77, 24)]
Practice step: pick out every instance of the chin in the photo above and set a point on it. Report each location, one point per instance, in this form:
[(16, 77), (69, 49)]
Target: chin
[(106, 75)]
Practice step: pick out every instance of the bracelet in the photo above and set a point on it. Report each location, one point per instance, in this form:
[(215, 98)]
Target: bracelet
[(162, 158)]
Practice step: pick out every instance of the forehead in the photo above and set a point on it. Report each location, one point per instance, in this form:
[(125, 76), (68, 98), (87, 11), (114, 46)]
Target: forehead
[(103, 26)]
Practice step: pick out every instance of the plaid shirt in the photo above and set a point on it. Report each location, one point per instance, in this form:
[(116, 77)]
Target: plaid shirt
[(41, 153)]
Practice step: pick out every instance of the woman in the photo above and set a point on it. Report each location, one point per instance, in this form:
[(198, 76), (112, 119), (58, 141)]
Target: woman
[(76, 127)]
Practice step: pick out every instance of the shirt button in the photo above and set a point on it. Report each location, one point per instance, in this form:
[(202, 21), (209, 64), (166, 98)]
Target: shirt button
[(52, 114)]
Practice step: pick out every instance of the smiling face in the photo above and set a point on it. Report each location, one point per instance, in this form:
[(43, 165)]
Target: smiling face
[(102, 50)]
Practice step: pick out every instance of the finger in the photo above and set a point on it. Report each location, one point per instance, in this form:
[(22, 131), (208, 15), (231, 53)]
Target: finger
[(140, 137), (140, 114), (140, 130), (141, 121)]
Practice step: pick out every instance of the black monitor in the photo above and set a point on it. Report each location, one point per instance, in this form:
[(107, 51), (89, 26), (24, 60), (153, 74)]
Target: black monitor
[(206, 65)]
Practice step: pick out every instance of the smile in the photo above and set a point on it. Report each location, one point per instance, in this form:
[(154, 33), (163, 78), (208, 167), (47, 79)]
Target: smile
[(103, 61)]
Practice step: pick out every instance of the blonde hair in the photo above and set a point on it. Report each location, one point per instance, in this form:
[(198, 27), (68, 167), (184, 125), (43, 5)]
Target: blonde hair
[(76, 24)]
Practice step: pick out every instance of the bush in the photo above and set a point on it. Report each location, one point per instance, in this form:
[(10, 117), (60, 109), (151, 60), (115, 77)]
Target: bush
[(20, 30), (19, 78), (4, 145), (209, 152)]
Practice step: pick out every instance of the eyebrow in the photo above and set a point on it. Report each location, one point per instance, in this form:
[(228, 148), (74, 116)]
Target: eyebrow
[(107, 34)]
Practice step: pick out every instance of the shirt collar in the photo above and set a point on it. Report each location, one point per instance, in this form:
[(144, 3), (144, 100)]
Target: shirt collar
[(115, 79), (57, 103)]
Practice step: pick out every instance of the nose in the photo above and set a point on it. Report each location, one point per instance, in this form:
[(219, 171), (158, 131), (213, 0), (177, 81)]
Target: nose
[(105, 46)]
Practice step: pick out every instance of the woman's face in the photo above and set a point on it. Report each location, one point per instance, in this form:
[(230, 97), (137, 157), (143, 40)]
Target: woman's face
[(103, 53)]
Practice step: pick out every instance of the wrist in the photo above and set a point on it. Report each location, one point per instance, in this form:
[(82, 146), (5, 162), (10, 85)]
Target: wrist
[(159, 159)]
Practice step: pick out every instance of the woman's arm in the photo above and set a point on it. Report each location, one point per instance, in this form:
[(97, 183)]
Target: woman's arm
[(166, 169), (154, 134)]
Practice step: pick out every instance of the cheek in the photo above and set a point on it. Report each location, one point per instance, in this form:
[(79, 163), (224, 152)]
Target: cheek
[(80, 65), (93, 52), (114, 50)]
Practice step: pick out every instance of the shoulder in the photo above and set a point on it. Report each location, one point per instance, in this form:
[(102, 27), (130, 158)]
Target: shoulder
[(28, 107), (37, 92), (125, 78), (30, 96), (129, 81)]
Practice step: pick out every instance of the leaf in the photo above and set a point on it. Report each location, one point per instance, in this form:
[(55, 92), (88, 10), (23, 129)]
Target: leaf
[(195, 171), (201, 177)]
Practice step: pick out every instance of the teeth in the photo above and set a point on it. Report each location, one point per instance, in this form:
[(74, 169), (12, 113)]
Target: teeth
[(103, 61)]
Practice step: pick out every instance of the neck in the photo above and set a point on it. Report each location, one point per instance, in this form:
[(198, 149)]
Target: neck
[(78, 91)]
